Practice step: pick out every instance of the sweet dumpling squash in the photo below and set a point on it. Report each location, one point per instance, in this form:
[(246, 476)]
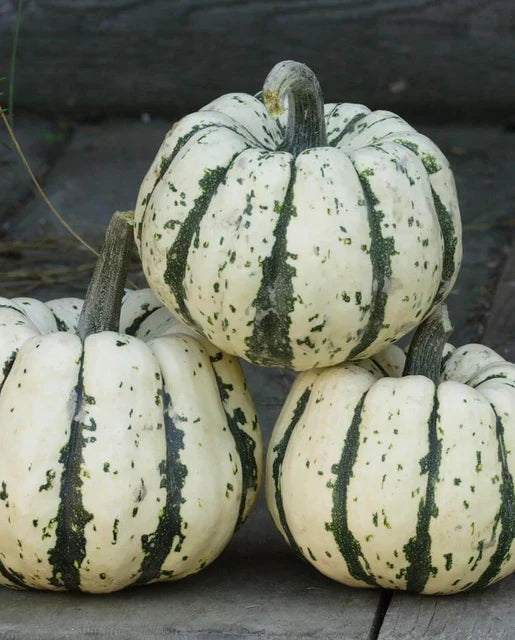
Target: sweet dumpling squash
[(127, 455), (401, 481), (301, 240)]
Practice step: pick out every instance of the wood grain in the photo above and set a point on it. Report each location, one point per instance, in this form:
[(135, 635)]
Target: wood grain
[(500, 333), (442, 59), (477, 615)]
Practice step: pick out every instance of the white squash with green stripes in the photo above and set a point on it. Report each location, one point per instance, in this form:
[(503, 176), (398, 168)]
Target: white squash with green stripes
[(301, 241), (126, 456), (386, 481)]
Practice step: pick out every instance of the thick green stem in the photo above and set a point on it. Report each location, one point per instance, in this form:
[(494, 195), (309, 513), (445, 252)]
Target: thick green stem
[(425, 352), (296, 82), (102, 305)]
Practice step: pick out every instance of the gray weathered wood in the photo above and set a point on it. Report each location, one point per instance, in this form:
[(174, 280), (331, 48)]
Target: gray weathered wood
[(482, 158), (478, 615), (42, 143), (500, 334), (261, 593), (443, 59)]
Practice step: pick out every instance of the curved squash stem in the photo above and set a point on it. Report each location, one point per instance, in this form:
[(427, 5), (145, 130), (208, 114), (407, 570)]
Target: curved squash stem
[(426, 348), (102, 305), (296, 82)]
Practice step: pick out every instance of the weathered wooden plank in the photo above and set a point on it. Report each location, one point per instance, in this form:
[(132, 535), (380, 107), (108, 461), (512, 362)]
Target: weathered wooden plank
[(500, 334), (482, 158), (42, 142), (479, 615), (443, 59), (259, 594)]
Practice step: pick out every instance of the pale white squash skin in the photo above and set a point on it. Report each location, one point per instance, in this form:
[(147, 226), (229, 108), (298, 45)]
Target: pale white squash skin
[(123, 410), (328, 235), (386, 481)]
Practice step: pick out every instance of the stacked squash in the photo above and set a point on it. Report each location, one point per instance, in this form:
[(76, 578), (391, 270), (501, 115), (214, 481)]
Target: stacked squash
[(291, 233)]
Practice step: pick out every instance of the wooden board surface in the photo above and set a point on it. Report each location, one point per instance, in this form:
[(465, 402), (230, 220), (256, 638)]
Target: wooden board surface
[(445, 60), (500, 334), (478, 615)]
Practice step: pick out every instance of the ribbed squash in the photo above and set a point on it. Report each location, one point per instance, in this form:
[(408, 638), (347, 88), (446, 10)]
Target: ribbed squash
[(126, 456), (397, 482), (301, 241)]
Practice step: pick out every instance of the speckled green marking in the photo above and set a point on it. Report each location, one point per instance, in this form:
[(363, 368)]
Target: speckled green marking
[(60, 323), (157, 545), (450, 239), (245, 446), (506, 517), (450, 242), (270, 343), (6, 370), (381, 251), (13, 576), (177, 255), (280, 451), (163, 168), (349, 128), (493, 376), (348, 545), (418, 548), (444, 360), (13, 308), (133, 328), (69, 551), (49, 483), (167, 161)]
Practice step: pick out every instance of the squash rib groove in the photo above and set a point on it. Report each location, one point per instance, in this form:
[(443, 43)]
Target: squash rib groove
[(450, 239), (349, 128), (269, 343), (245, 446), (8, 365), (134, 327), (506, 513), (280, 450), (167, 161), (348, 545), (381, 250), (157, 545), (69, 551), (418, 548), (13, 576), (177, 255)]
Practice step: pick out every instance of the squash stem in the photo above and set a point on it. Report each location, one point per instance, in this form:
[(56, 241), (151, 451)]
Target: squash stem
[(426, 349), (102, 305), (296, 82)]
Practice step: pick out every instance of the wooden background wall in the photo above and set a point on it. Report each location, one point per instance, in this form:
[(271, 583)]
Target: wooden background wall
[(440, 60)]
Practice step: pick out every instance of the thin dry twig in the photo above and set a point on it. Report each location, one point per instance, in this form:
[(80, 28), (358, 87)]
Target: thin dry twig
[(43, 195), (39, 188)]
